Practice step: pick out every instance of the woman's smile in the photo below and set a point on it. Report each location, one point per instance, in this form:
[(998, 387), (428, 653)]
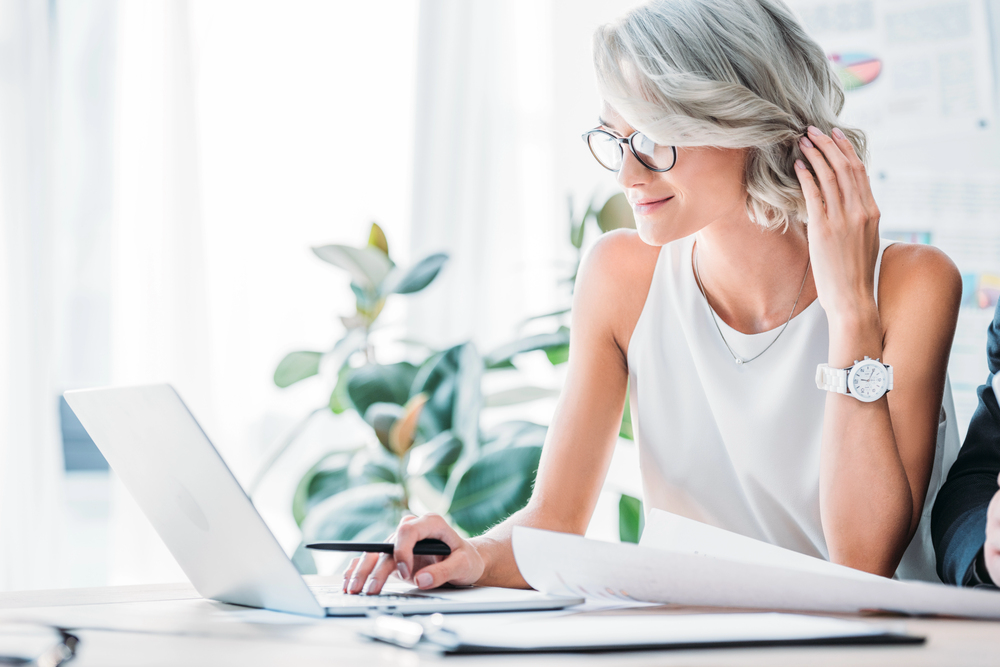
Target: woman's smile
[(647, 206)]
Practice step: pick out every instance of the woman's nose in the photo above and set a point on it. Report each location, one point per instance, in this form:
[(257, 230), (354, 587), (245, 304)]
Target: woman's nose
[(632, 172)]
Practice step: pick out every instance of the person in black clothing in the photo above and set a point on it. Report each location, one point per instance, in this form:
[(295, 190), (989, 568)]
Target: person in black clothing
[(965, 524)]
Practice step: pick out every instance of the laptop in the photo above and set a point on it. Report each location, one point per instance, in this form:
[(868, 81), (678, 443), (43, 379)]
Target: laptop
[(176, 476)]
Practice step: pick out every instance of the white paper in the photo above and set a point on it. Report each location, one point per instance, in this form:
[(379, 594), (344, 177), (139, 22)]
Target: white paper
[(561, 564), (671, 532)]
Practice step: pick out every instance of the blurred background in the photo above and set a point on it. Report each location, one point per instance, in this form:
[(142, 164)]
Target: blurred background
[(167, 166)]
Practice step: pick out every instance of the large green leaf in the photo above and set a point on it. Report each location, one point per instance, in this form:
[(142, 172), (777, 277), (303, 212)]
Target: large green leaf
[(381, 417), (436, 378), (558, 355), (434, 459), (514, 434), (349, 514), (626, 429), (468, 397), (367, 266), (415, 278), (373, 465), (630, 519), (327, 478), (503, 354), (616, 214), (494, 487), (377, 383), (297, 366)]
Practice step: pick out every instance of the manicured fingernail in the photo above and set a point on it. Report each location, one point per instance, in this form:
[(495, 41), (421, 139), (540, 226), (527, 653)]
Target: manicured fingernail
[(799, 164), (350, 586), (368, 587), (424, 580), (404, 571), (815, 131), (805, 142), (838, 133)]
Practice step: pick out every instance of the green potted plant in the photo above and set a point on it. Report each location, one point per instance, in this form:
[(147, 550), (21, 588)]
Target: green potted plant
[(428, 452)]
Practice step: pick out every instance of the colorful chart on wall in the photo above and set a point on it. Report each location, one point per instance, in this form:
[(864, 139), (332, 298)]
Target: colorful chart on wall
[(910, 67), (856, 70)]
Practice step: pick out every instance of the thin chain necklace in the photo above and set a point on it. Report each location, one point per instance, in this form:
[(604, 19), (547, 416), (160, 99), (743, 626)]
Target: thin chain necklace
[(737, 358)]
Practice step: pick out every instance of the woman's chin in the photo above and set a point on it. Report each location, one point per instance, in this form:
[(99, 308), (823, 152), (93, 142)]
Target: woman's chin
[(655, 232)]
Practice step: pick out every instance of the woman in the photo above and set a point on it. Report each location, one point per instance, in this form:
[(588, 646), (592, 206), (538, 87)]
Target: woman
[(719, 119)]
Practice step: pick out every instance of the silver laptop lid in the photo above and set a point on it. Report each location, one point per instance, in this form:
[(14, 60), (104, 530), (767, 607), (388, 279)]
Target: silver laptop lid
[(174, 473)]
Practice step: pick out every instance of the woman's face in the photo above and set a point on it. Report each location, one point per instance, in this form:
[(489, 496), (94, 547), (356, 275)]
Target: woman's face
[(704, 186)]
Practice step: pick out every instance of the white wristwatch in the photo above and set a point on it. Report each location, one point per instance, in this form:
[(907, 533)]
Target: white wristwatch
[(867, 380)]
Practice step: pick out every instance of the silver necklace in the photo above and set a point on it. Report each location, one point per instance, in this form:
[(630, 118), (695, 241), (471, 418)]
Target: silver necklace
[(737, 358)]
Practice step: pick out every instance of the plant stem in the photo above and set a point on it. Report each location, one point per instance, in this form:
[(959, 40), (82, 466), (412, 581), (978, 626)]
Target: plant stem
[(402, 483)]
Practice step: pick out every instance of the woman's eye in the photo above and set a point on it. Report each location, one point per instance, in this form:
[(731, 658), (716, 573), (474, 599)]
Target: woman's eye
[(644, 144)]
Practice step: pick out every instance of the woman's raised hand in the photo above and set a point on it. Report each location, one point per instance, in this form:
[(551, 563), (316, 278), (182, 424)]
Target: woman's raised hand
[(843, 224), (368, 573)]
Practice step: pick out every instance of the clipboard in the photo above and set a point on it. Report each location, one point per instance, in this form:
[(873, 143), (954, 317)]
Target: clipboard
[(581, 633)]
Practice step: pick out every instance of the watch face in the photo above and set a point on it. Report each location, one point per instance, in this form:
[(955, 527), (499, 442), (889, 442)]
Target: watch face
[(868, 381)]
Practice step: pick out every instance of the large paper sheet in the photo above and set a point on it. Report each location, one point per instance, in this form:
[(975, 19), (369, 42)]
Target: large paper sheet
[(562, 564), (671, 532)]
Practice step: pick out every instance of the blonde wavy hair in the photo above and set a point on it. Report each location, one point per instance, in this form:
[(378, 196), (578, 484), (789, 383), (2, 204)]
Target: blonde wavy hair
[(730, 74)]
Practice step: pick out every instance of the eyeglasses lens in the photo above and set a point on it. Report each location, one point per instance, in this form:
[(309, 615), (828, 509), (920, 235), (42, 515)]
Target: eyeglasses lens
[(654, 155), (606, 149)]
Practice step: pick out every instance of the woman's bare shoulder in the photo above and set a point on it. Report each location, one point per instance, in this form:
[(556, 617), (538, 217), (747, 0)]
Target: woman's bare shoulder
[(614, 281), (918, 279)]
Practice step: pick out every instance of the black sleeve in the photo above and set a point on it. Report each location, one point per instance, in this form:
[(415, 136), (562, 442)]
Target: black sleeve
[(958, 522)]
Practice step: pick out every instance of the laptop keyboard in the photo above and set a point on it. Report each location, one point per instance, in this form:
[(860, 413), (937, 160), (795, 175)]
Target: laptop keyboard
[(333, 596)]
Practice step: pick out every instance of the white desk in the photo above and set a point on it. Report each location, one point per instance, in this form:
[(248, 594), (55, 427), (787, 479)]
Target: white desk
[(210, 633)]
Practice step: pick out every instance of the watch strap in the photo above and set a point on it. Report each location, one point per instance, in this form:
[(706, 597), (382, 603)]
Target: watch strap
[(832, 379)]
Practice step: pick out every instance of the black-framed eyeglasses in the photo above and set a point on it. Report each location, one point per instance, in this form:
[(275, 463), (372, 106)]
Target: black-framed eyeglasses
[(607, 149)]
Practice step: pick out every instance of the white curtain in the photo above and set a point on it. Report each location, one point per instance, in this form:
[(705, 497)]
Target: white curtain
[(245, 133), (159, 314), (30, 455), (483, 177)]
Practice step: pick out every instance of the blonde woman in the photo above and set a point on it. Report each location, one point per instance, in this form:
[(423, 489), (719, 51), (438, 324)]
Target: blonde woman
[(756, 260)]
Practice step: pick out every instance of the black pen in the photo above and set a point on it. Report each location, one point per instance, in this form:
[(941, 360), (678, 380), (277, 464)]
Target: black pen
[(428, 547)]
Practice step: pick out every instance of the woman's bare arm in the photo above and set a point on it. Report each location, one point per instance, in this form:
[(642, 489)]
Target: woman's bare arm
[(610, 291), (585, 426), (876, 458)]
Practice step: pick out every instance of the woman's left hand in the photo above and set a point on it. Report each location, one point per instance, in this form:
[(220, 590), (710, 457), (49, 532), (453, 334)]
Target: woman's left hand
[(843, 224)]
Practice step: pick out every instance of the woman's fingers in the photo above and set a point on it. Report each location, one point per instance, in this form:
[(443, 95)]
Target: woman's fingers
[(810, 190), (409, 533), (829, 181), (365, 564), (376, 580), (862, 183), (450, 569), (349, 571)]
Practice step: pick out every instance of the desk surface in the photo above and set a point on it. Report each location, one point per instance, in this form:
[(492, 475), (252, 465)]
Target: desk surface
[(203, 632)]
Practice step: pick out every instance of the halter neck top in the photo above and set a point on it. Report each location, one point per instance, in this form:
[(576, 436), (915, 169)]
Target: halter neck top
[(738, 446)]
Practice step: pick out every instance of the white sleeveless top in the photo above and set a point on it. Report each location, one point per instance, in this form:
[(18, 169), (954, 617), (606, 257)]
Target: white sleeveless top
[(738, 447)]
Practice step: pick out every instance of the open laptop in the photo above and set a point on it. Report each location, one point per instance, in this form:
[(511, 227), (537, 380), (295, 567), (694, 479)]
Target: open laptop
[(158, 450)]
